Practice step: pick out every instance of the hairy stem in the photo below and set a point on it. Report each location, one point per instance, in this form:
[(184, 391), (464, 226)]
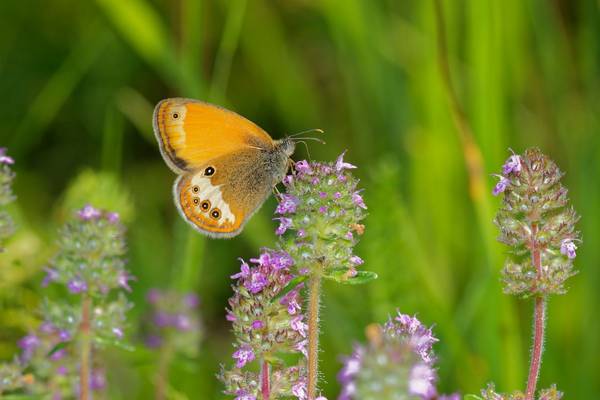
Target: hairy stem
[(162, 376), (86, 348), (314, 289), (265, 386), (538, 324)]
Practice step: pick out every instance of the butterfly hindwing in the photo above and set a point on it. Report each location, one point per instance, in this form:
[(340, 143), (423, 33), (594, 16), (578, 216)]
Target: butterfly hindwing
[(218, 198), (191, 132)]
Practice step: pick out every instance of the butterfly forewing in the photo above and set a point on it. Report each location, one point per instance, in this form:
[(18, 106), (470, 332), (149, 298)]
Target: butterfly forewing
[(191, 132)]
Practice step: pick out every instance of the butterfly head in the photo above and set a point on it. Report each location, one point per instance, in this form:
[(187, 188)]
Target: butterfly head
[(286, 146)]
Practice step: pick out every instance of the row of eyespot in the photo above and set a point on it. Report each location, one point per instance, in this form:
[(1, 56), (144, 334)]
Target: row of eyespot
[(205, 206)]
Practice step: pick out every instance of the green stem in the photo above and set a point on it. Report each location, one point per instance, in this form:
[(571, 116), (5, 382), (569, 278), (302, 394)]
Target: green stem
[(162, 377), (86, 348), (314, 294)]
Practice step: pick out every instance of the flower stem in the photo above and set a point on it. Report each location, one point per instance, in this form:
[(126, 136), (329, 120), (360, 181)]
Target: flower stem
[(162, 376), (86, 348), (314, 293), (539, 322), (265, 380)]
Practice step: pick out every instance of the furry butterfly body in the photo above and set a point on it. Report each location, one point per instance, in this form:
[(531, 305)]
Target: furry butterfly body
[(227, 165)]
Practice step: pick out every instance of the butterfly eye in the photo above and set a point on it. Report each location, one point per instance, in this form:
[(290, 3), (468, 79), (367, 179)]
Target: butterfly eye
[(215, 213), (195, 189), (209, 171), (196, 201), (175, 115), (205, 206)]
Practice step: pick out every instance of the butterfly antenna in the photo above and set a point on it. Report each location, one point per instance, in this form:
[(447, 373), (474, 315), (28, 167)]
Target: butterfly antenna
[(305, 145), (316, 130), (309, 138)]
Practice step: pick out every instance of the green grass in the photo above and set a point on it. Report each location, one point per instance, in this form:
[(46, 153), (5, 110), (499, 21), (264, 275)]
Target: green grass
[(79, 81)]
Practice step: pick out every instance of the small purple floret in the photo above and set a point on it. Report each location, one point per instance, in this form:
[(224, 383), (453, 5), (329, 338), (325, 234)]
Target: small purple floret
[(88, 212), (512, 165), (568, 248), (243, 355), (500, 186)]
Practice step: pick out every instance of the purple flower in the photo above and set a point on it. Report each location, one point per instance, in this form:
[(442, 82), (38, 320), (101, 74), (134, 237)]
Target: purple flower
[(77, 286), (281, 260), (420, 381), (123, 280), (299, 390), (29, 343), (340, 165), (191, 300), (58, 354), (315, 181), (153, 296), (4, 159), (244, 271), (568, 248), (358, 200), (243, 355), (230, 317), (112, 217), (287, 204), (256, 281), (291, 301), (298, 325), (356, 260), (243, 395), (284, 224), (513, 164), (301, 233), (88, 212), (64, 335), (323, 195), (118, 332), (500, 186), (303, 167), (257, 324), (182, 322), (51, 276), (97, 380), (287, 180), (323, 209)]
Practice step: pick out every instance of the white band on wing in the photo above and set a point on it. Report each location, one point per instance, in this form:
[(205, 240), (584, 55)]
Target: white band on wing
[(213, 194)]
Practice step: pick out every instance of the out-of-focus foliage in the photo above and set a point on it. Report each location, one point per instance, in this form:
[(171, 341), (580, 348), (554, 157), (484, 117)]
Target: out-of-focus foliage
[(78, 82)]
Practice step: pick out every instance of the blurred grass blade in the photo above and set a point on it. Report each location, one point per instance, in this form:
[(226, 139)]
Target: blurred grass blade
[(227, 47), (57, 90)]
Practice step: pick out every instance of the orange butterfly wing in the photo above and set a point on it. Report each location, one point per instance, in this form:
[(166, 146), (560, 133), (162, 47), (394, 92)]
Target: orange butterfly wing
[(194, 137), (191, 132)]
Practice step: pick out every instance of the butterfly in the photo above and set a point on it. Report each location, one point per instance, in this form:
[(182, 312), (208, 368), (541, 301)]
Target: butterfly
[(227, 165)]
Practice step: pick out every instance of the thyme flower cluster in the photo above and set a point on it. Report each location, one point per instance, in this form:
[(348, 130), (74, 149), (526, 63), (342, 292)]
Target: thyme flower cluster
[(174, 321), (7, 196), (319, 220), (91, 263), (266, 325), (535, 218), (396, 363)]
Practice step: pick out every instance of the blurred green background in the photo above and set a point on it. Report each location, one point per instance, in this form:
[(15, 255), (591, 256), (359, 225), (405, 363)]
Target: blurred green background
[(79, 79)]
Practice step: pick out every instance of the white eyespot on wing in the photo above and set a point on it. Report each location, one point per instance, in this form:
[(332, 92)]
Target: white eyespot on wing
[(212, 193)]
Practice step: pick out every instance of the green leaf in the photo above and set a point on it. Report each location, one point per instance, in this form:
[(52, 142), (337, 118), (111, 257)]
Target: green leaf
[(472, 397), (340, 275), (56, 348), (361, 277)]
